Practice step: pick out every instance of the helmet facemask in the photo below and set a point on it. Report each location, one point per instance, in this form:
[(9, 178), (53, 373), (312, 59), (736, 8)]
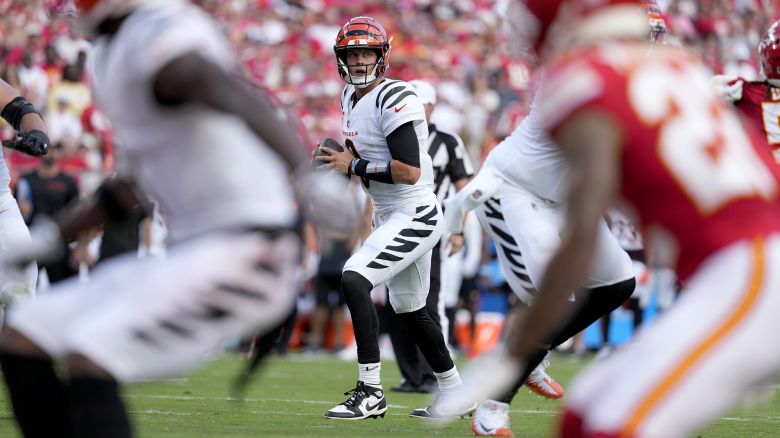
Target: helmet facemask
[(374, 71)]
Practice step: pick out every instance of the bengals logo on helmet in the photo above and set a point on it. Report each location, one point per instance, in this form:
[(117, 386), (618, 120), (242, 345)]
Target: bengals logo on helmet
[(362, 33)]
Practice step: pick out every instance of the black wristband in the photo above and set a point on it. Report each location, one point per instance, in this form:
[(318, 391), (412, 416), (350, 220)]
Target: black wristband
[(379, 172), (16, 110)]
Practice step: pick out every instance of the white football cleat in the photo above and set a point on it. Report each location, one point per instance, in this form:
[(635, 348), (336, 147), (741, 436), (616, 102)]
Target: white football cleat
[(491, 419), (540, 383), (490, 375), (365, 401), (450, 411)]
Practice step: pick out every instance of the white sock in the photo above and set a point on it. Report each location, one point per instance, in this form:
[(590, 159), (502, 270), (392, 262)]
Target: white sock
[(368, 373), (448, 380)]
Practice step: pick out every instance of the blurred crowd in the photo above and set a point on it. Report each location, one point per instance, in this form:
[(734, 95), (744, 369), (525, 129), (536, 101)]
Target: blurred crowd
[(287, 47)]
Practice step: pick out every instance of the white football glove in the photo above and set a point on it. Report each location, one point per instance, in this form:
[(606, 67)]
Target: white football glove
[(45, 245), (17, 262), (326, 200), (733, 92)]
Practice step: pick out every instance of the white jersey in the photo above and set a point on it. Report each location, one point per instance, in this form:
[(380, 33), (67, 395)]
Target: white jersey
[(5, 177), (530, 158), (369, 121), (206, 169)]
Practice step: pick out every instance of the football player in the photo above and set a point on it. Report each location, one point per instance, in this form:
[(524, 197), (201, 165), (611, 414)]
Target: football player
[(386, 134), (217, 156), (705, 191), (32, 140), (520, 191), (759, 101)]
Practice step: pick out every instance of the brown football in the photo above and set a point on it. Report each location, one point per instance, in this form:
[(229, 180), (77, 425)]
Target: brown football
[(329, 143)]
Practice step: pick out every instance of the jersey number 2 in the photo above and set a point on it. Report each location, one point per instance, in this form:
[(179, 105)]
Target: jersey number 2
[(704, 146)]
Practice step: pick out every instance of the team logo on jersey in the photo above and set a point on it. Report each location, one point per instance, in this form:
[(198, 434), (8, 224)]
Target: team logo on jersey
[(349, 133), (477, 194), (775, 93)]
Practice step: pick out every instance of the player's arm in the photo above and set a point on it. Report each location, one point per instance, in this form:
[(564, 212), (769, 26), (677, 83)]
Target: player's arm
[(115, 200), (23, 117), (591, 142), (403, 168), (192, 78), (460, 170), (405, 150)]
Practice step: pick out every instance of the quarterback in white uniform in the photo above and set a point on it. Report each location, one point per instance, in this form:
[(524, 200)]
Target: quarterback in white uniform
[(386, 136), (521, 186), (216, 155)]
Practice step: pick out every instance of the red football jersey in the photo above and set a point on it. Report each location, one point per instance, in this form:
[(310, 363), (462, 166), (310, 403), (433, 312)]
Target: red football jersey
[(689, 166), (760, 104)]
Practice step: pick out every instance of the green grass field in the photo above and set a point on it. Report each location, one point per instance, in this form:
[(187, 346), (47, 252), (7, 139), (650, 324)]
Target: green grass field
[(293, 393)]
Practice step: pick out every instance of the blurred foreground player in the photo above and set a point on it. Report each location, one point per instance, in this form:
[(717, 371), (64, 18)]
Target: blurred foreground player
[(216, 155), (643, 125), (32, 140)]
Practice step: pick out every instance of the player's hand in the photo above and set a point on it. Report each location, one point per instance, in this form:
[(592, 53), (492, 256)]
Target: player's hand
[(35, 143), (731, 93), (454, 244), (338, 161)]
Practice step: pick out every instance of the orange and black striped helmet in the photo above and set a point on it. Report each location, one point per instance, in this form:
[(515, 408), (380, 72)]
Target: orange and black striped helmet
[(362, 33)]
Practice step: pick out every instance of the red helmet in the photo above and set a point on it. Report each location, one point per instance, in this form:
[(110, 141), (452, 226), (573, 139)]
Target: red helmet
[(362, 33), (544, 23), (769, 52)]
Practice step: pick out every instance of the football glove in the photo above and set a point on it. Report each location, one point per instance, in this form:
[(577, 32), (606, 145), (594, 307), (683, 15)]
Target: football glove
[(325, 199), (733, 92), (35, 143)]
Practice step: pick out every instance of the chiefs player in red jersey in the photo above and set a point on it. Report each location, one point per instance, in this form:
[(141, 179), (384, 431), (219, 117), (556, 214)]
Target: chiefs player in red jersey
[(643, 126), (759, 101)]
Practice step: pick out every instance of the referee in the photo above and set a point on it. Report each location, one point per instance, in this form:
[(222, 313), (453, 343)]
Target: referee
[(451, 172)]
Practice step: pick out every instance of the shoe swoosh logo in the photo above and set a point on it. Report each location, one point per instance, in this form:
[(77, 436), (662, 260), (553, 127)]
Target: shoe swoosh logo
[(371, 408), (485, 428), (399, 108)]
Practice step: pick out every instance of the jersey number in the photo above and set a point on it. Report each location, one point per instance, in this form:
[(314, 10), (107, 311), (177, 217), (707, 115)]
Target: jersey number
[(707, 151), (771, 114)]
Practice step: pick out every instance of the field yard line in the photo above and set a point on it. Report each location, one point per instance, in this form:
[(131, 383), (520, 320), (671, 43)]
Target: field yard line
[(284, 400), (158, 412), (767, 418)]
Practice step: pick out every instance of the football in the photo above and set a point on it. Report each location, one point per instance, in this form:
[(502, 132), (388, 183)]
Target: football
[(326, 142)]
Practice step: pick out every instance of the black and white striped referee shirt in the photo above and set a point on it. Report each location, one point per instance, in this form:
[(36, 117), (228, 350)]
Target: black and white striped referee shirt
[(450, 161)]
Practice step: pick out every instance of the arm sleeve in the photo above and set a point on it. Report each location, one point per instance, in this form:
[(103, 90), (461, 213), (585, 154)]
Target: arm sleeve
[(404, 146)]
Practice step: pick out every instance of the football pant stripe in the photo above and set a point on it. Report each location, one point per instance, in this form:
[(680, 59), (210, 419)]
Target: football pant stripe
[(698, 353)]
